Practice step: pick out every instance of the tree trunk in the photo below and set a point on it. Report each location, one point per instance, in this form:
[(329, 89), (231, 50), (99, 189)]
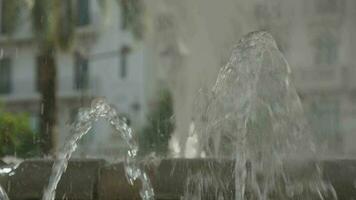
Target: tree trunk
[(47, 85)]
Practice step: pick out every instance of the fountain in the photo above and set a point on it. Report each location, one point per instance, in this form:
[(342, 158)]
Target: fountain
[(8, 169), (100, 109), (249, 128), (3, 195), (253, 115)]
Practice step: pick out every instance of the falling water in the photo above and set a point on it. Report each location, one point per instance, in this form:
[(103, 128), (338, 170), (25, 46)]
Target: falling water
[(254, 116), (3, 195), (100, 109), (8, 170)]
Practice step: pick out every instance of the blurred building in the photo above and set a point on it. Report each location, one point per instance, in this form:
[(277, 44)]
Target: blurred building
[(189, 43), (193, 39), (106, 61), (317, 40)]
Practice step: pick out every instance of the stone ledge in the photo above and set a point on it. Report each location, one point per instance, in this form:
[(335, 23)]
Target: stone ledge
[(79, 181), (94, 179), (168, 178)]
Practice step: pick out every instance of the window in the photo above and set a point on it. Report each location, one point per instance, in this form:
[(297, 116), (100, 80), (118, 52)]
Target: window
[(5, 76), (136, 106), (328, 6), (326, 50), (125, 50), (83, 12), (81, 72)]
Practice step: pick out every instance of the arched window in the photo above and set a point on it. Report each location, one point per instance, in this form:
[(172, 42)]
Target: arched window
[(83, 12)]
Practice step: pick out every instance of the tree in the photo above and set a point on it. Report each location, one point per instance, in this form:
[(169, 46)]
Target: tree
[(48, 16), (156, 134), (16, 136), (53, 23)]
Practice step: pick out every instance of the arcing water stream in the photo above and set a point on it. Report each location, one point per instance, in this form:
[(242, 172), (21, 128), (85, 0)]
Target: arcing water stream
[(100, 109), (3, 195)]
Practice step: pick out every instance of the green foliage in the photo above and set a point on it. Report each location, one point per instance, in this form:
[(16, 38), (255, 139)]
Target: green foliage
[(10, 15), (16, 136), (155, 136), (132, 16)]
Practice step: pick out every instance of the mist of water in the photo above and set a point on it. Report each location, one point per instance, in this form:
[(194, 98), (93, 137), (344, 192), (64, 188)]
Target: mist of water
[(254, 116), (86, 117)]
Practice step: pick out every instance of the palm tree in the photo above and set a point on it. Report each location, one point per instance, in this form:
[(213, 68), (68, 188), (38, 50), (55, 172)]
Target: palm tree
[(54, 24)]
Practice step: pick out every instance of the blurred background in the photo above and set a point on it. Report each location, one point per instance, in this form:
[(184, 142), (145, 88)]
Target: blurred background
[(150, 57)]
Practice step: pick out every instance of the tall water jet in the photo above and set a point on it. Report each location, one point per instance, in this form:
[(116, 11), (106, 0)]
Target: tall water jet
[(3, 195), (254, 115), (86, 117)]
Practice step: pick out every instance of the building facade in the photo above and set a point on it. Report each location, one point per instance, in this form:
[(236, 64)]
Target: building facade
[(105, 61), (315, 36)]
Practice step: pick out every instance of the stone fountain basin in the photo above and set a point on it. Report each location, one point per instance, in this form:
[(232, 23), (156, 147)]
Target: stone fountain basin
[(91, 179)]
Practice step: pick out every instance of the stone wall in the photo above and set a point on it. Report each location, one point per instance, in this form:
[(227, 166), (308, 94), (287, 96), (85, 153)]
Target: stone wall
[(95, 179)]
